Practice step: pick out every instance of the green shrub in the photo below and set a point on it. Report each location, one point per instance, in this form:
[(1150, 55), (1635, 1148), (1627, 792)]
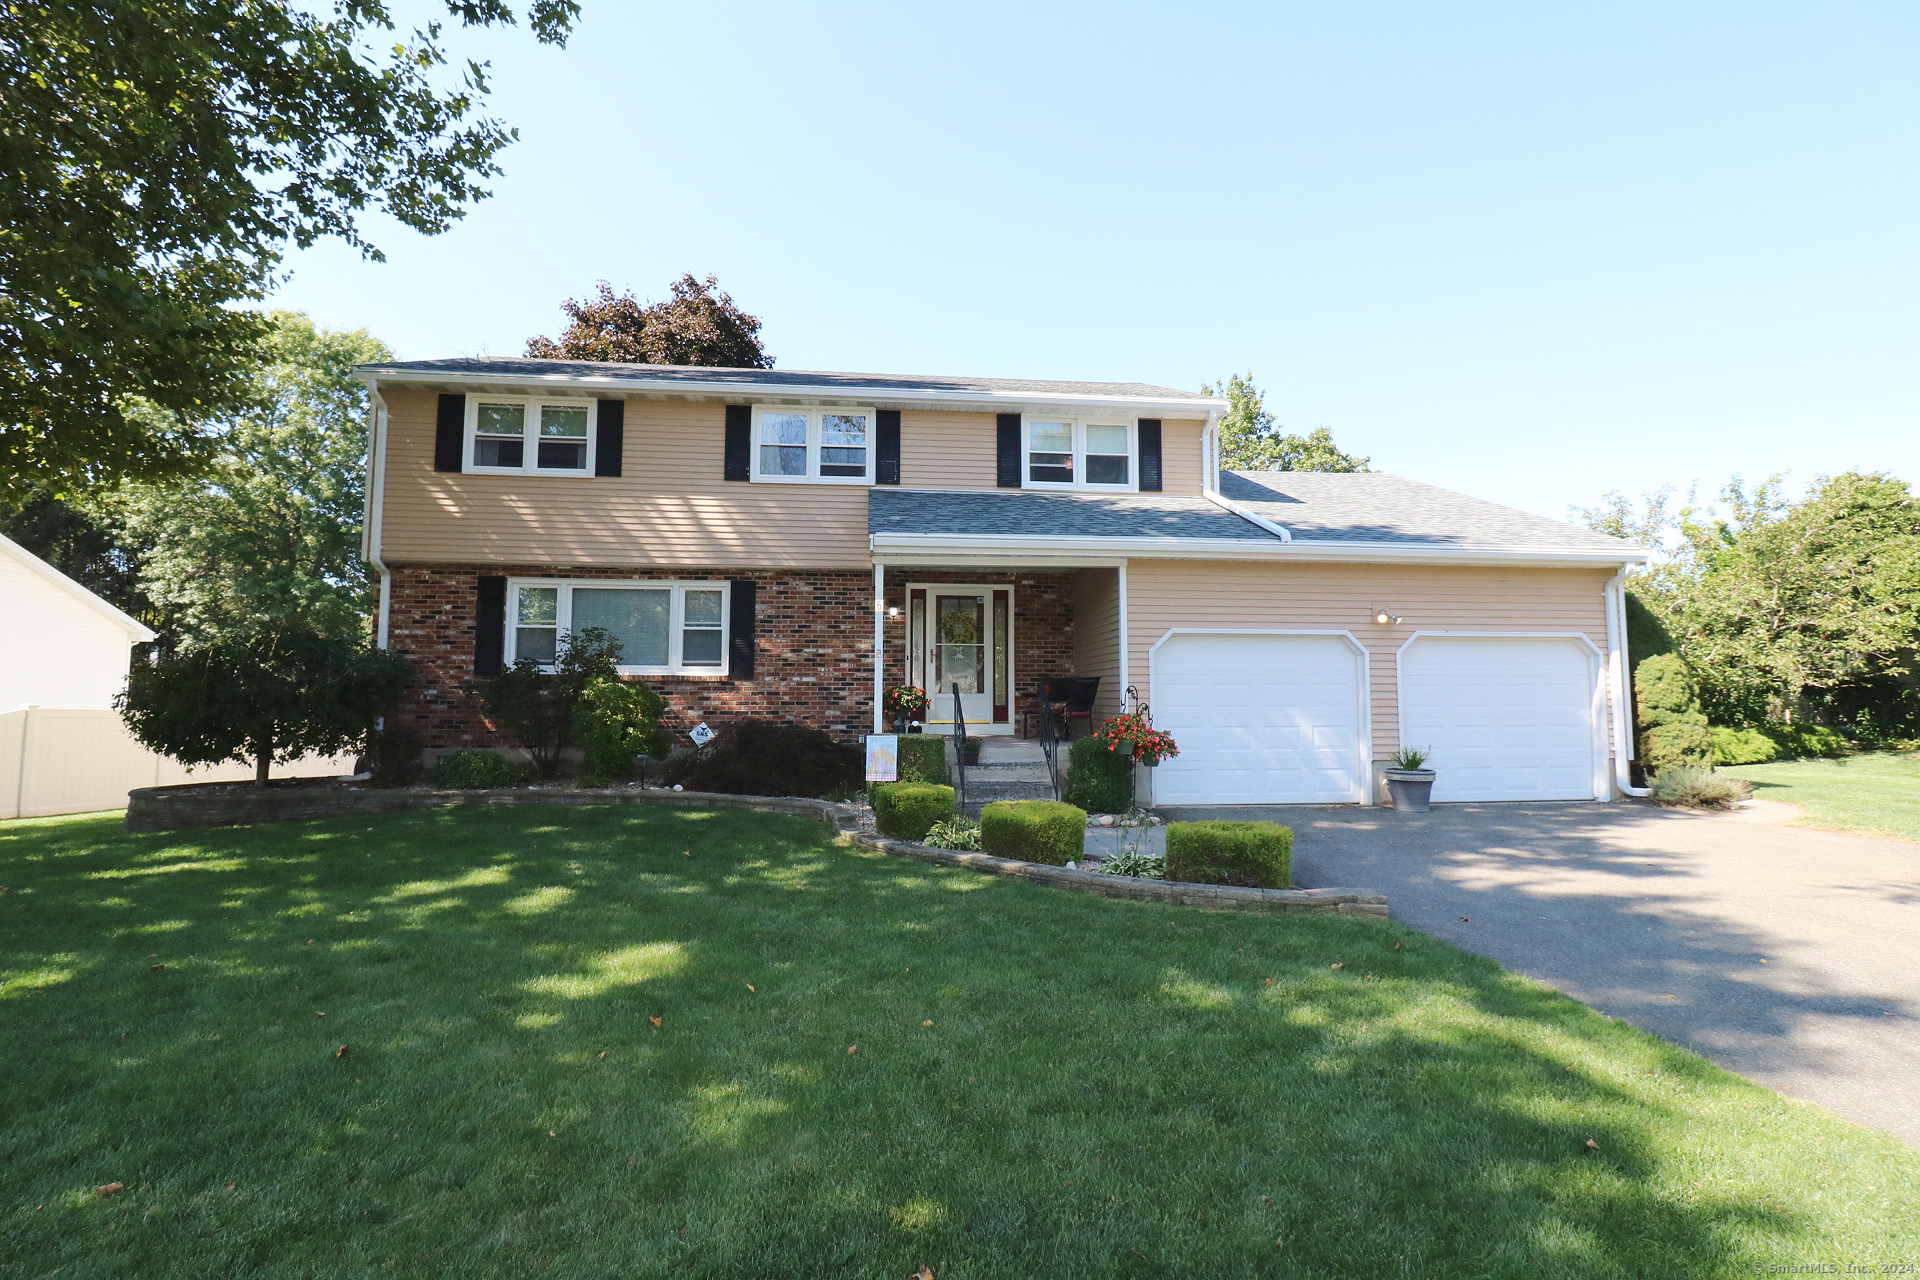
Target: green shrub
[(614, 721), (473, 770), (1798, 740), (908, 810), (1742, 746), (1099, 780), (1673, 727), (959, 834), (923, 758), (1034, 830), (768, 758), (1256, 855), (1698, 788), (1132, 862), (392, 757)]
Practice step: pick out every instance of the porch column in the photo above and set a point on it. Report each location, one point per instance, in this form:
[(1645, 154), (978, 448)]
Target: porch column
[(879, 642)]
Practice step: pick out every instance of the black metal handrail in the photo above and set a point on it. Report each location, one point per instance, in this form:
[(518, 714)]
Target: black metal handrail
[(1050, 744), (959, 752)]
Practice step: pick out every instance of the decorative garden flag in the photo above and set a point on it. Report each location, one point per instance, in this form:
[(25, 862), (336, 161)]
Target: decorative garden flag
[(883, 757)]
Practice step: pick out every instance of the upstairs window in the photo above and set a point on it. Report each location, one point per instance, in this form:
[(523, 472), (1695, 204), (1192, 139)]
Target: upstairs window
[(664, 628), (520, 436), (1074, 453), (804, 444)]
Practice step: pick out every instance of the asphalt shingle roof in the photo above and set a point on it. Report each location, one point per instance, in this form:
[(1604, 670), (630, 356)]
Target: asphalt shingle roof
[(1312, 506), (774, 378)]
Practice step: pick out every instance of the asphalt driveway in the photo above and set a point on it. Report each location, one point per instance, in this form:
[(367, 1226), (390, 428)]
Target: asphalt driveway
[(1788, 955)]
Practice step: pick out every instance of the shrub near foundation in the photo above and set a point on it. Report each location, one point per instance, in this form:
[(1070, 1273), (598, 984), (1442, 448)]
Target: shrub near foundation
[(1034, 830), (474, 770), (908, 810), (1254, 855), (1099, 780), (923, 758)]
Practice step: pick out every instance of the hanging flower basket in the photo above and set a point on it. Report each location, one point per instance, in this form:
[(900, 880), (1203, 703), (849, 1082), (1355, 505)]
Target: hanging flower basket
[(1131, 734), (905, 702)]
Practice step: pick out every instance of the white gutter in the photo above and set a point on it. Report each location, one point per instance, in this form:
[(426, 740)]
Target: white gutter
[(370, 524), (1616, 602), (879, 644), (1210, 482), (740, 392)]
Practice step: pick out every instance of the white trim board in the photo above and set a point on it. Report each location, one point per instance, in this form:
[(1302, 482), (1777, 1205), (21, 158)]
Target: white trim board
[(1015, 548)]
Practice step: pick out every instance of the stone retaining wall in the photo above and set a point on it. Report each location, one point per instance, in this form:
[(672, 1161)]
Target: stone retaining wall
[(222, 805)]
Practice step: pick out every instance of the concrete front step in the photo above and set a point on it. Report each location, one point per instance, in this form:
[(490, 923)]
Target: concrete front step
[(981, 793)]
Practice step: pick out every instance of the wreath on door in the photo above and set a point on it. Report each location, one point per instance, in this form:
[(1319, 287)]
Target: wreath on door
[(959, 628)]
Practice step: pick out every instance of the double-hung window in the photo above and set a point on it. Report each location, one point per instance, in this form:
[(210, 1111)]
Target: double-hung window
[(1075, 453), (798, 444), (663, 628), (510, 434)]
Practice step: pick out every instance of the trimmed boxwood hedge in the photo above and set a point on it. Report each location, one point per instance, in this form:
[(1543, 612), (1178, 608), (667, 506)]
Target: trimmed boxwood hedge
[(1254, 855), (908, 810), (1033, 830), (923, 758), (1099, 780)]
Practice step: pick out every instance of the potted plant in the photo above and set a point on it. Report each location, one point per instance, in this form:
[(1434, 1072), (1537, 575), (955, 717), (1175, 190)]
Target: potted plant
[(904, 705), (1409, 781)]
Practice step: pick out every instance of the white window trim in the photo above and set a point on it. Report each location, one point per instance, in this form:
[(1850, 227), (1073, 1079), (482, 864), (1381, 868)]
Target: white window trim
[(676, 619), (530, 434), (1080, 425), (814, 414)]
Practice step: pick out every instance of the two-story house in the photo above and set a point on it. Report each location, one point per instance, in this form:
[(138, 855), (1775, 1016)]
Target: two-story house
[(788, 544)]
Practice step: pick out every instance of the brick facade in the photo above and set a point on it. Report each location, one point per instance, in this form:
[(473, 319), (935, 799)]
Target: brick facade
[(813, 635)]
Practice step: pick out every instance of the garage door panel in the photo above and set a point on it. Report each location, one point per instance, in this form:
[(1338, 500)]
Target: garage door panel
[(1260, 719), (1507, 718)]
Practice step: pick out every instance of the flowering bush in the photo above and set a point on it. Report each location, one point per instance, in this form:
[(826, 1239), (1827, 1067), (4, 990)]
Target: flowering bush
[(905, 702), (1132, 734)]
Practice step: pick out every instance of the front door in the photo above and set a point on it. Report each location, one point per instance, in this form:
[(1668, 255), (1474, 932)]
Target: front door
[(961, 636)]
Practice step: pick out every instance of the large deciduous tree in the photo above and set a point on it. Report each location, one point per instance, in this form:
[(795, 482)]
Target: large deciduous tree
[(1250, 440), (698, 325), (271, 534), (1789, 609), (156, 159)]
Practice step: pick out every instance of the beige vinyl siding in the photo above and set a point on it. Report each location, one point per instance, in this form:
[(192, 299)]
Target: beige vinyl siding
[(947, 450), (1096, 635), (943, 450), (1167, 594), (1180, 457), (671, 506)]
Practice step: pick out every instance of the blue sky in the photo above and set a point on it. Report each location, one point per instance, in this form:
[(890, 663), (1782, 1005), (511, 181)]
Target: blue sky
[(1530, 252)]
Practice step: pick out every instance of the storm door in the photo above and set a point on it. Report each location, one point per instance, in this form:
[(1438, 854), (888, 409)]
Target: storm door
[(962, 635)]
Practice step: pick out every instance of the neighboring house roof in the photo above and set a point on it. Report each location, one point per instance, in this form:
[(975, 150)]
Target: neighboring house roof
[(702, 379), (1362, 516), (137, 630)]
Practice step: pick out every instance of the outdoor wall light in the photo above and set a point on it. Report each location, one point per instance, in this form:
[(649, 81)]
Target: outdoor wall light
[(893, 611), (1387, 619)]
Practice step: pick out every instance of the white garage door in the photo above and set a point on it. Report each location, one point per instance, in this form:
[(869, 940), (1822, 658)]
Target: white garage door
[(1260, 719), (1508, 718)]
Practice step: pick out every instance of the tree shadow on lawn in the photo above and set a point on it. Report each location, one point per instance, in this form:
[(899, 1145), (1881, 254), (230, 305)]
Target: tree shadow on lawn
[(1107, 1088)]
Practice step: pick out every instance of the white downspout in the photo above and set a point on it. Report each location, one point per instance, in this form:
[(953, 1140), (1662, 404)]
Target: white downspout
[(370, 524), (1616, 602), (1210, 481), (879, 642)]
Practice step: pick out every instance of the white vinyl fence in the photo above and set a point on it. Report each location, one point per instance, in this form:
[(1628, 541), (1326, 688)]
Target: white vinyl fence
[(62, 761)]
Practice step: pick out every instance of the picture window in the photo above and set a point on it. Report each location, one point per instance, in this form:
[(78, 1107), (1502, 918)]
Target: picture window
[(663, 627)]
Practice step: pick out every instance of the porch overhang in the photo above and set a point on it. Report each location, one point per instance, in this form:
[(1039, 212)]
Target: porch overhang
[(1040, 551)]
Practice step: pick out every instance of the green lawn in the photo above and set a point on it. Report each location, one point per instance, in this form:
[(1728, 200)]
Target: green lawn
[(1044, 1085), (1877, 793)]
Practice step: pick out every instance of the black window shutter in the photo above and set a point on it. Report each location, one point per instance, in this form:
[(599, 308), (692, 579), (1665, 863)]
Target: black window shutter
[(1007, 454), (886, 451), (740, 647), (739, 456), (490, 628), (610, 444), (1150, 455), (448, 432)]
